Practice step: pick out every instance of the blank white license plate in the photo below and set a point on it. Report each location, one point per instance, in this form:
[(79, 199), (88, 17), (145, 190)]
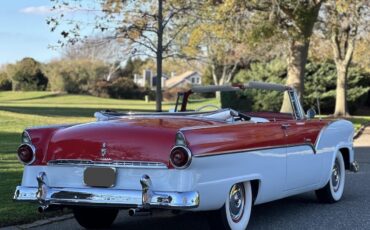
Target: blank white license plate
[(100, 177)]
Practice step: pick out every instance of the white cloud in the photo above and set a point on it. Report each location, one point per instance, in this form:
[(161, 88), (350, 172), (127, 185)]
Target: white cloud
[(36, 10), (41, 10)]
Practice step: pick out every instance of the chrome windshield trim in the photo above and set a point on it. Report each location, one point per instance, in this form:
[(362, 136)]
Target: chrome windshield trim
[(118, 164), (296, 105)]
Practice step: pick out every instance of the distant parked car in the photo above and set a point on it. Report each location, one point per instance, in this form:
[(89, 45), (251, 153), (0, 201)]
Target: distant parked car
[(223, 160)]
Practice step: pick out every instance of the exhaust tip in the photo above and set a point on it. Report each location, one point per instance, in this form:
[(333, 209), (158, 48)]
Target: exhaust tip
[(139, 212), (131, 212), (42, 209)]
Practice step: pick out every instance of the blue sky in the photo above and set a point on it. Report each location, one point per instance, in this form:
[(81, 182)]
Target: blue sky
[(24, 32)]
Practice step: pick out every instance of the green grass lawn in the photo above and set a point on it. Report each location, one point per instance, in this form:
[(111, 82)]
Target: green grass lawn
[(19, 110), (359, 120)]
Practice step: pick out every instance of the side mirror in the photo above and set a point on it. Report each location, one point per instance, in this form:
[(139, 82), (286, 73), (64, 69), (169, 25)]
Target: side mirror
[(311, 113)]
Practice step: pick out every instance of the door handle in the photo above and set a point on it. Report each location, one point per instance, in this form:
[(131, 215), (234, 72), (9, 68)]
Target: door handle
[(285, 126)]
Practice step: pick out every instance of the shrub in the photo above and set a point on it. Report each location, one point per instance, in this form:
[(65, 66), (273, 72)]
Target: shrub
[(101, 88), (321, 79), (120, 88), (27, 75), (77, 76), (125, 88), (264, 100), (5, 82)]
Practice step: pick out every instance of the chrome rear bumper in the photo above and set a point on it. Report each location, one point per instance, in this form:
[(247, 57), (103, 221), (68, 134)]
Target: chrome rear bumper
[(145, 198)]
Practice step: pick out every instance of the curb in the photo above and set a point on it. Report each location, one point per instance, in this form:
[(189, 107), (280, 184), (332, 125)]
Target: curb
[(361, 130), (39, 222)]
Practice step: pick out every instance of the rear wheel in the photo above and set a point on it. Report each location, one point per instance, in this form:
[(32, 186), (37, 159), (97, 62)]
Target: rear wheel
[(93, 218), (333, 190), (237, 209)]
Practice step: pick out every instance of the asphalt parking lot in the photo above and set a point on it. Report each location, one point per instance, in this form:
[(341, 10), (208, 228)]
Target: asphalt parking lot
[(298, 212)]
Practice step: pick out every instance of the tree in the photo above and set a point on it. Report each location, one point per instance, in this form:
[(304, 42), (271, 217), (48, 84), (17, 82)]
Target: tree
[(75, 76), (5, 82), (273, 21), (298, 19), (291, 21), (147, 27), (216, 40), (362, 52), (27, 75), (97, 49), (344, 21)]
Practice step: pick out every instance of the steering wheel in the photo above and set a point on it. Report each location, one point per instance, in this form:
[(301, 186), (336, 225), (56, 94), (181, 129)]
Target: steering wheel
[(206, 106)]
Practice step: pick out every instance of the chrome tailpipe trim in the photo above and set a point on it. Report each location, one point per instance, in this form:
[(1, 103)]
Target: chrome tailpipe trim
[(43, 208), (139, 212), (354, 167), (47, 208)]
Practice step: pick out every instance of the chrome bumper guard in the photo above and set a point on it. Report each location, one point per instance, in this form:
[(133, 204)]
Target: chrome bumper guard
[(145, 198)]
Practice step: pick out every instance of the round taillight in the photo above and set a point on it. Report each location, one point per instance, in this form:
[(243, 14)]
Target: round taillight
[(26, 153), (180, 157)]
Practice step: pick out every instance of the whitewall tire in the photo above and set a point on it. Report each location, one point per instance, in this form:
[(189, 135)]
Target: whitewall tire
[(333, 190), (238, 206), (236, 211)]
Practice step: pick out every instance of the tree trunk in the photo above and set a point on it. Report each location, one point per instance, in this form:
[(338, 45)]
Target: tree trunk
[(297, 58), (159, 58), (342, 61), (341, 107)]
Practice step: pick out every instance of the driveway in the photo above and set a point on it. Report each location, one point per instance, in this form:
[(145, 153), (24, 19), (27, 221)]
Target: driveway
[(297, 212)]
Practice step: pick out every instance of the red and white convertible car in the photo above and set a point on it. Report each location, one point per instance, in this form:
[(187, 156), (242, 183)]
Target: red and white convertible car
[(222, 160)]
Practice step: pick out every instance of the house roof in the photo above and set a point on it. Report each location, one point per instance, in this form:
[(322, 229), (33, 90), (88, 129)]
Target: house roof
[(173, 81)]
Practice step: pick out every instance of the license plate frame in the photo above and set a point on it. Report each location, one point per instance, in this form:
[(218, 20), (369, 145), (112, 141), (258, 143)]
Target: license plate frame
[(103, 177)]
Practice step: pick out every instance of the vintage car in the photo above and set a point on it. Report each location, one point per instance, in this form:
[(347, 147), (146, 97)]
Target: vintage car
[(224, 161)]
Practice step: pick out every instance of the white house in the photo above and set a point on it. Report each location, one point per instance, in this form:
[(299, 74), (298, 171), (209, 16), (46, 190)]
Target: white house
[(148, 80), (183, 80), (178, 81)]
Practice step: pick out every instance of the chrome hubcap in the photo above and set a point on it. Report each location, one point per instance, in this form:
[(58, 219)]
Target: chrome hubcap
[(236, 202), (335, 176)]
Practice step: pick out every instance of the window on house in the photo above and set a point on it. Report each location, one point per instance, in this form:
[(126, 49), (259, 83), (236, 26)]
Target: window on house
[(193, 80)]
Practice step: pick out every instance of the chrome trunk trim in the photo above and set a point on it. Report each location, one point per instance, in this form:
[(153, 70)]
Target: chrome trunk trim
[(117, 164)]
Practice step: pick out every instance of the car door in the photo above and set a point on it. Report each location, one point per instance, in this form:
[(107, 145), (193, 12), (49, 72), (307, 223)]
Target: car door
[(304, 166)]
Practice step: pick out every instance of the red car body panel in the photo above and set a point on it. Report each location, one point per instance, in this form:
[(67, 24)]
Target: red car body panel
[(245, 136), (138, 138), (40, 137), (128, 139)]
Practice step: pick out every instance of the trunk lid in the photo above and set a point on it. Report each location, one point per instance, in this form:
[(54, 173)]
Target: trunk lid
[(128, 139)]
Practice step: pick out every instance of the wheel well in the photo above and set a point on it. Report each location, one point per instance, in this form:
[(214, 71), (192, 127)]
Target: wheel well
[(345, 154), (255, 186)]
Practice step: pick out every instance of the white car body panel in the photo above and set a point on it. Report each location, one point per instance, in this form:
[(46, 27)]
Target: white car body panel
[(281, 172)]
